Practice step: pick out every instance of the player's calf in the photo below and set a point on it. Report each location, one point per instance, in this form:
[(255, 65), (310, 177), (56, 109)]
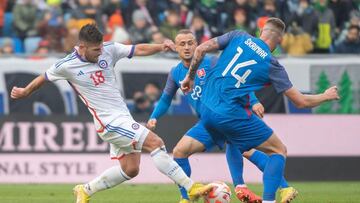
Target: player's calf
[(165, 164)]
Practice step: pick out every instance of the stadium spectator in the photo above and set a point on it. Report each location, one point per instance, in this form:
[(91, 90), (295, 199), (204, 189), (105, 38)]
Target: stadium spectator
[(89, 9), (351, 45), (341, 10), (115, 29), (172, 24), (307, 18), (326, 26), (183, 10), (157, 37), (142, 104), (152, 92), (7, 46), (112, 7), (25, 19), (200, 29), (354, 21), (269, 9), (296, 42), (240, 21), (148, 8), (51, 26), (140, 31), (43, 48)]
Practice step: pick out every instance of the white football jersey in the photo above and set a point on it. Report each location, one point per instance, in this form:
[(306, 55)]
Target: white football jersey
[(95, 82)]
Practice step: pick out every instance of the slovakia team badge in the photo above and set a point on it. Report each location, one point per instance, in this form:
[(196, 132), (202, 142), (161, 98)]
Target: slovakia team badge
[(201, 73)]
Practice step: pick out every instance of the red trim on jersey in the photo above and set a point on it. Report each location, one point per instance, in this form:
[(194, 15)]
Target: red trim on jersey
[(267, 84), (90, 108), (248, 111), (118, 158)]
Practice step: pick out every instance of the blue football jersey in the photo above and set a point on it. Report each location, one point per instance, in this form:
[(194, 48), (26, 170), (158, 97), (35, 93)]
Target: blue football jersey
[(244, 66), (178, 73)]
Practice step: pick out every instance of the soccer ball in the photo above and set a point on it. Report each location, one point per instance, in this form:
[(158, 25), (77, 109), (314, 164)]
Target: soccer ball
[(220, 193)]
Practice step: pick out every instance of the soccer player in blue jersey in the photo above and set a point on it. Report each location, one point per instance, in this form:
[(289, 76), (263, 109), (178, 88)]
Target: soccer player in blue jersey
[(197, 139), (246, 65)]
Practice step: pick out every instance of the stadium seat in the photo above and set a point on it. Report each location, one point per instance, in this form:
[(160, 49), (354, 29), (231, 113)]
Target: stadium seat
[(8, 27), (31, 44), (18, 45)]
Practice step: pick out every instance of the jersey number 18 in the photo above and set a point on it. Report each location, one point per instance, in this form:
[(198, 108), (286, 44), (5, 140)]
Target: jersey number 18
[(97, 78), (240, 79)]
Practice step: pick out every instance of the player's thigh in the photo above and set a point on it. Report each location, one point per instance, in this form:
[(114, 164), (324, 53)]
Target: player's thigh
[(187, 146), (125, 136), (152, 142), (273, 145), (130, 164)]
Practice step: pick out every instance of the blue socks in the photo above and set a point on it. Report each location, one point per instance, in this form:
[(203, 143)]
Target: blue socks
[(235, 164), (273, 173), (185, 165), (259, 159)]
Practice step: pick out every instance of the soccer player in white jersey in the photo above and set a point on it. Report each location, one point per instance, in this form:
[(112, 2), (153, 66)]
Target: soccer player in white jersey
[(90, 71)]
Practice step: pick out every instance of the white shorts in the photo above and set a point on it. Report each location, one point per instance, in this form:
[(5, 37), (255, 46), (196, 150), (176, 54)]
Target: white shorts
[(125, 136)]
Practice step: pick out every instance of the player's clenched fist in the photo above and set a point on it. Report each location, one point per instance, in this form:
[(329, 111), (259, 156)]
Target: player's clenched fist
[(151, 124), (187, 84), (332, 93), (19, 92)]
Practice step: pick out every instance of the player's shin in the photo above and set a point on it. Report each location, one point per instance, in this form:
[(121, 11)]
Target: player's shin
[(165, 164), (108, 179), (272, 176), (185, 165), (260, 159), (235, 164)]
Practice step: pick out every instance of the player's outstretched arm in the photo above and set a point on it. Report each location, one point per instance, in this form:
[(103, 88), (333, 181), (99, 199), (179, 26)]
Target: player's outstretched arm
[(150, 49), (309, 101), (19, 92), (200, 51)]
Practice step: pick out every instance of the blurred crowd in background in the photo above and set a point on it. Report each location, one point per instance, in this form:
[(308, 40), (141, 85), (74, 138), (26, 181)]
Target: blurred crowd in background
[(52, 26)]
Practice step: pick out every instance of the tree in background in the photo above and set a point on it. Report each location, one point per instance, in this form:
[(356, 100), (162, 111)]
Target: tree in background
[(322, 84), (346, 94)]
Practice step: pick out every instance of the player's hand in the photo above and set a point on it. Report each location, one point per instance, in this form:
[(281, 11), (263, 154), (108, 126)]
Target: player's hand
[(18, 92), (151, 124), (332, 93), (187, 85), (258, 109), (168, 45)]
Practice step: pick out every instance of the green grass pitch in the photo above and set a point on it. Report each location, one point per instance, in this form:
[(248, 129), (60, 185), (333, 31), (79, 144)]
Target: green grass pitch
[(309, 192)]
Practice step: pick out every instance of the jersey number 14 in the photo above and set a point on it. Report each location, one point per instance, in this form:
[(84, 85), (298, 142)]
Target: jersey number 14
[(240, 79)]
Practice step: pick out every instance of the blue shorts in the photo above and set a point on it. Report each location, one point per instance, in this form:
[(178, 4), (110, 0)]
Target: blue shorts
[(199, 133), (243, 133)]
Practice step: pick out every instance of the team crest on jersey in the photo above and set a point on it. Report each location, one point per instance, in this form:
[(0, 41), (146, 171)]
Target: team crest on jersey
[(103, 64), (201, 73), (135, 126)]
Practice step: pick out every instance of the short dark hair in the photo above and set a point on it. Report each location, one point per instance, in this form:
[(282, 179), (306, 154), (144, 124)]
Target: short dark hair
[(277, 23), (91, 34), (354, 27)]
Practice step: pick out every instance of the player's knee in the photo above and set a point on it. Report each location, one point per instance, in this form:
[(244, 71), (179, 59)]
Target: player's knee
[(178, 152), (152, 142), (282, 150), (247, 154), (131, 171)]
